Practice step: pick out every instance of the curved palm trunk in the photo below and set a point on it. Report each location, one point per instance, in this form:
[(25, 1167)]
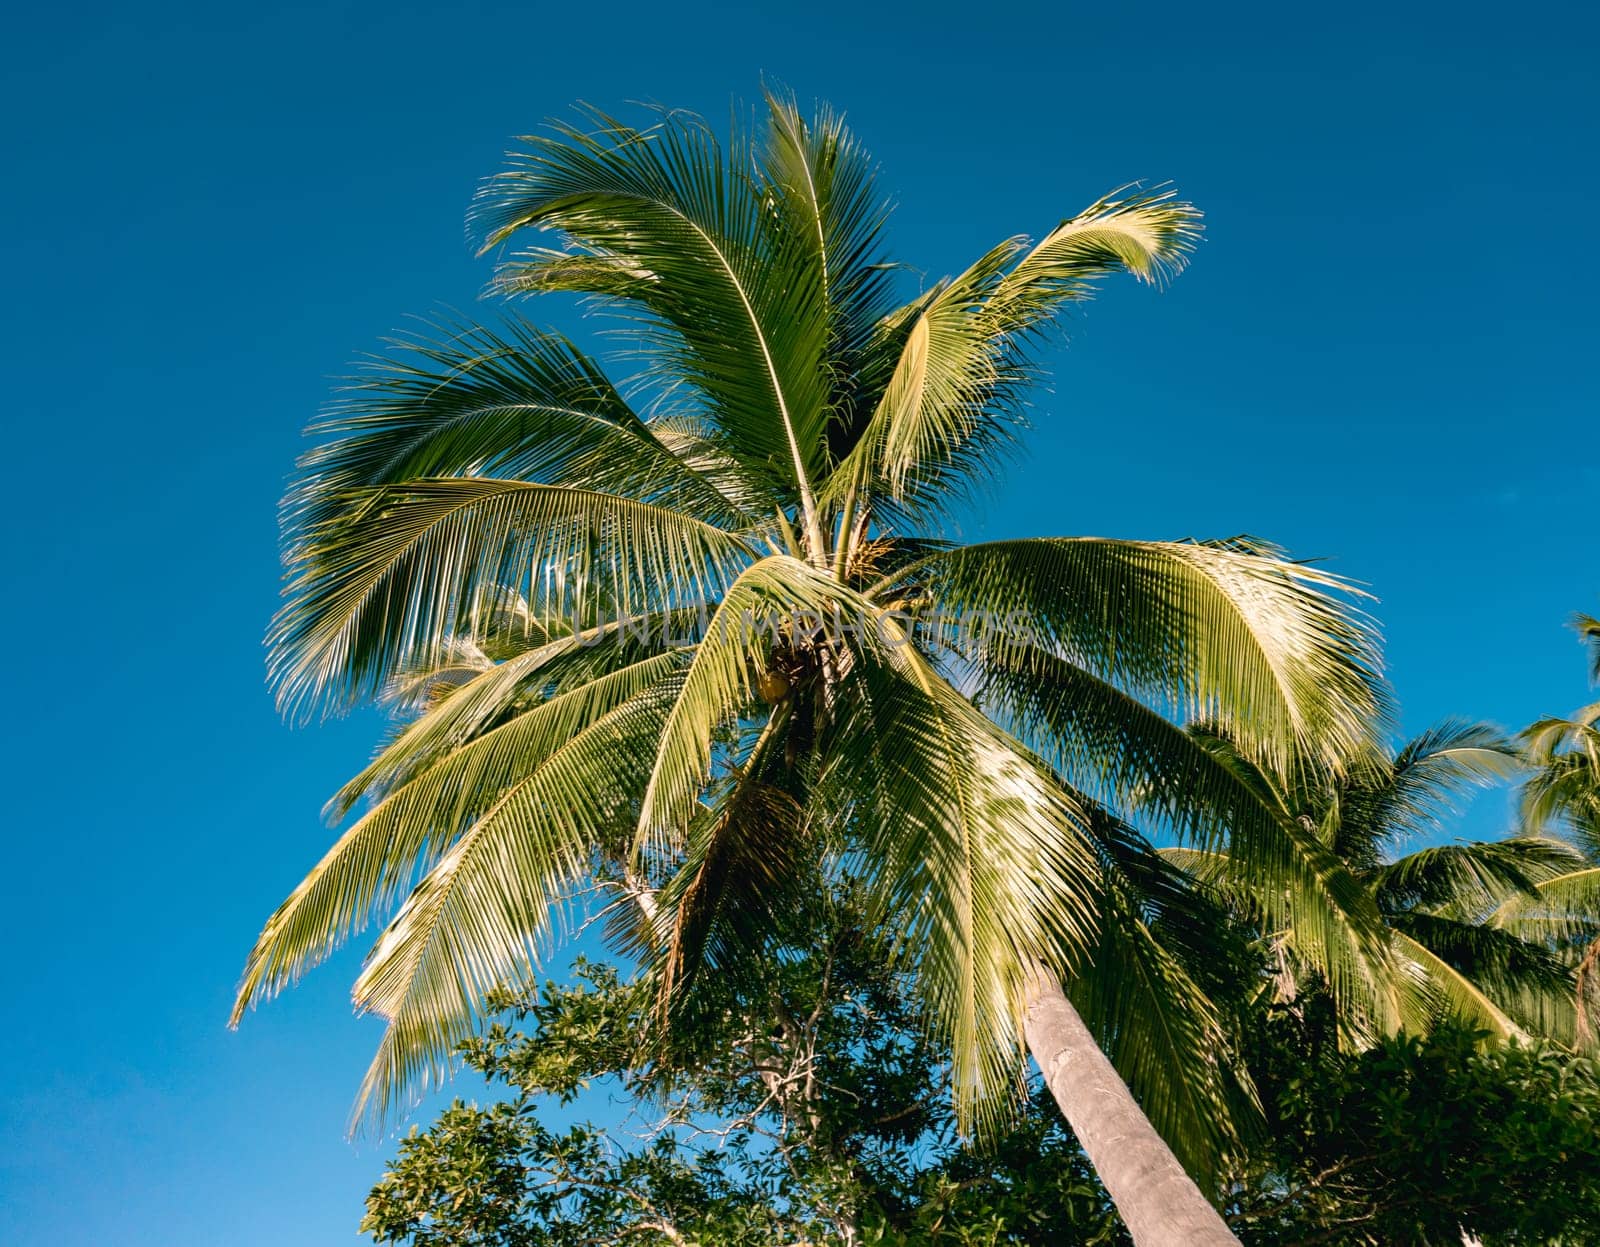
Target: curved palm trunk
[(1158, 1201)]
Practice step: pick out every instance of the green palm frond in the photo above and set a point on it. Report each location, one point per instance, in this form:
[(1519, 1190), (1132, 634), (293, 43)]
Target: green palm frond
[(1426, 782), (1451, 993), (419, 819), (1563, 792), (670, 222), (1140, 992), (739, 862), (388, 583), (945, 400), (1588, 630), (956, 361), (1222, 632), (972, 849), (476, 919), (1148, 234), (1564, 910), (1470, 878), (829, 216), (1205, 791), (1524, 981), (465, 400), (757, 614)]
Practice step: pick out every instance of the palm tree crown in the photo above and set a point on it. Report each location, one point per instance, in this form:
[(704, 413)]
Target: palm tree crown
[(694, 635)]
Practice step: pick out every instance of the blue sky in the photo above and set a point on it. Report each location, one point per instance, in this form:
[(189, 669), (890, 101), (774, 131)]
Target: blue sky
[(1383, 354)]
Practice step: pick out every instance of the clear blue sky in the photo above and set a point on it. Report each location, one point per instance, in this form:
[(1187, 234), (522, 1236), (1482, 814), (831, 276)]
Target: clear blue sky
[(1385, 353)]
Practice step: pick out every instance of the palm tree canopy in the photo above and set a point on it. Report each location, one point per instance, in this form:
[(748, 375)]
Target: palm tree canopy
[(692, 634), (1448, 908)]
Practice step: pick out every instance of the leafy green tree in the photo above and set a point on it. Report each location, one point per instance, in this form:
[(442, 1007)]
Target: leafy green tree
[(791, 1123), (814, 1109), (820, 676), (1417, 1140)]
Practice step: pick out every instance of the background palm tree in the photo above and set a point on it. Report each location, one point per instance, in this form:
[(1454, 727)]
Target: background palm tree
[(1562, 797), (1439, 903), (701, 628)]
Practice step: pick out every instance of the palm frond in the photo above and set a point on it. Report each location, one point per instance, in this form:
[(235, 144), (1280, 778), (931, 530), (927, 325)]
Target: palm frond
[(1588, 630), (943, 404), (1139, 992), (465, 400), (719, 907), (1427, 781), (387, 583), (421, 817), (1525, 981), (666, 220), (476, 919), (1561, 911), (1453, 993), (1224, 632), (971, 848), (1148, 234), (1203, 789), (1470, 878)]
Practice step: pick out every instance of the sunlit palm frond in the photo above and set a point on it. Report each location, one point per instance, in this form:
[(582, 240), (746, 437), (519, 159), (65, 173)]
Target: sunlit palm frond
[(1522, 980), (828, 214), (971, 849), (1225, 632), (465, 400), (1148, 234), (1138, 992), (475, 920), (1471, 878), (668, 220), (1564, 910), (944, 403), (417, 822), (387, 584)]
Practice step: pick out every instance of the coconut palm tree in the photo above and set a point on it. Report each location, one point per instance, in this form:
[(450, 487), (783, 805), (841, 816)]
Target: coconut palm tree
[(1562, 797), (1439, 902), (703, 629)]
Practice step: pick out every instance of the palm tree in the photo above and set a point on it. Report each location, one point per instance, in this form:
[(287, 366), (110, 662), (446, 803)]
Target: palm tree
[(702, 629), (1562, 797), (1439, 902)]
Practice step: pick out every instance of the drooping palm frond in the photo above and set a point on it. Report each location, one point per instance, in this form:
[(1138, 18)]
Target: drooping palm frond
[(1470, 879), (388, 583), (1523, 981), (1563, 911), (760, 611), (1221, 632), (419, 820), (465, 400), (739, 863), (971, 848), (1148, 234), (1199, 788), (476, 920)]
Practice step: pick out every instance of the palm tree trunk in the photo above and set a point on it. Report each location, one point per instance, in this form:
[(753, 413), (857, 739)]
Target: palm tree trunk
[(1158, 1201)]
